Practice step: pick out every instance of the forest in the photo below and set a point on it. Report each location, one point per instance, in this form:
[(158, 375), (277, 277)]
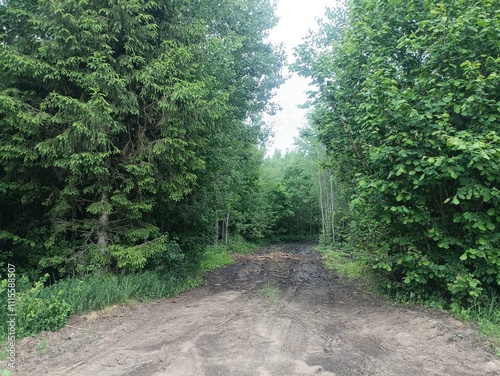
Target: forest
[(133, 148)]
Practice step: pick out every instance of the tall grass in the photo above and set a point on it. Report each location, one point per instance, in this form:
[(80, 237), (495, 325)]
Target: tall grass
[(487, 315), (97, 292)]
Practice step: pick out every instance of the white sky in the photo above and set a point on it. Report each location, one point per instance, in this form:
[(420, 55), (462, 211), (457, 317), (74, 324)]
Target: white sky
[(296, 18)]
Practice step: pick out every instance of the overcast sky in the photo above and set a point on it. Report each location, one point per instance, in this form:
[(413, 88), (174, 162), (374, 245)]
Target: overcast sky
[(296, 18)]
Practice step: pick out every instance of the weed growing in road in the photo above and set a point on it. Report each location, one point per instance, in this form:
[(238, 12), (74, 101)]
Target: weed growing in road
[(271, 292), (43, 346), (5, 372), (4, 351)]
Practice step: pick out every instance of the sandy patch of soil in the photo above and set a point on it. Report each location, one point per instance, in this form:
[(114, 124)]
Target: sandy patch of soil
[(277, 312)]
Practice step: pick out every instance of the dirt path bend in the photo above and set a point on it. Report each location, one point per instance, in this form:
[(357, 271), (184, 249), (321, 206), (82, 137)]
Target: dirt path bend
[(274, 313)]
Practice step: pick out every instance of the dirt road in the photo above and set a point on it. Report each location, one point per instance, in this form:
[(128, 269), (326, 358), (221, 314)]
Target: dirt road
[(277, 312)]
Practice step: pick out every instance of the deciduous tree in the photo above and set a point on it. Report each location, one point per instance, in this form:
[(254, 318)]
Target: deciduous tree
[(408, 101)]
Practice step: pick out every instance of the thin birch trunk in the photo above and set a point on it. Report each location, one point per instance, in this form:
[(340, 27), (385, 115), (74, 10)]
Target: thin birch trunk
[(216, 229), (333, 208), (226, 229), (321, 205)]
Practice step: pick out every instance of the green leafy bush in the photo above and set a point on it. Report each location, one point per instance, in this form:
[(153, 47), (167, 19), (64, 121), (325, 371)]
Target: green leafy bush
[(36, 308), (37, 313), (408, 107)]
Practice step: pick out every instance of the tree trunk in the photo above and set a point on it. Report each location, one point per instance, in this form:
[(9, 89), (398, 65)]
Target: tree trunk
[(321, 206), (226, 229), (216, 228), (332, 208), (103, 239)]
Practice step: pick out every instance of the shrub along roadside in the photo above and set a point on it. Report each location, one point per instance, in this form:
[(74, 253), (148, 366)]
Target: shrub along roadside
[(484, 313)]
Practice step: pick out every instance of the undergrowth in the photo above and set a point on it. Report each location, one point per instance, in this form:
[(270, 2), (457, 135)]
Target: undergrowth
[(348, 265), (217, 256), (487, 315)]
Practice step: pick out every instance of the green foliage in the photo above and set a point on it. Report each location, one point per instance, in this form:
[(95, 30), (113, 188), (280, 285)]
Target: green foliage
[(345, 263), (113, 114), (289, 184), (215, 257), (335, 262), (136, 257), (239, 245), (95, 293), (36, 311), (407, 106)]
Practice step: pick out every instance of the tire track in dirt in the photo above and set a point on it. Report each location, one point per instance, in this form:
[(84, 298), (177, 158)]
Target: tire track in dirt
[(276, 312)]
